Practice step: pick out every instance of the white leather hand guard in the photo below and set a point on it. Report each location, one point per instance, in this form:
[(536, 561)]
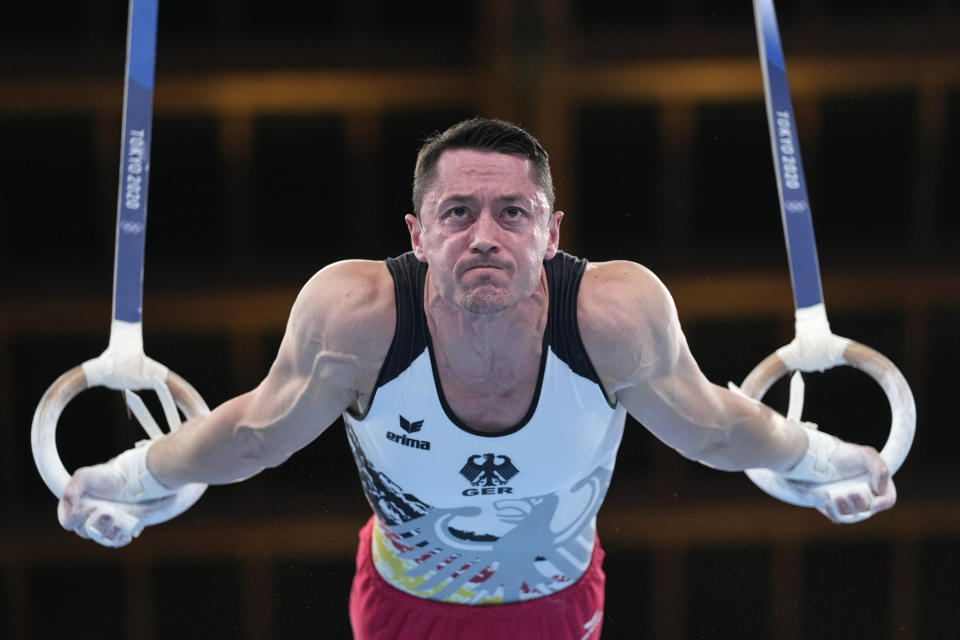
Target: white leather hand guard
[(816, 466), (137, 483)]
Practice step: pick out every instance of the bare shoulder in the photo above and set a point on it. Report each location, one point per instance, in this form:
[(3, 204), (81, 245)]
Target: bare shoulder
[(347, 307), (626, 317), (619, 297)]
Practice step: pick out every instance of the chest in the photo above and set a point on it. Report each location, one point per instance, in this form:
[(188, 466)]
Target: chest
[(494, 397)]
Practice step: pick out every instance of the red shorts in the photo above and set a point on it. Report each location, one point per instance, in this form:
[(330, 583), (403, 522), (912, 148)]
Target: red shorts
[(379, 611)]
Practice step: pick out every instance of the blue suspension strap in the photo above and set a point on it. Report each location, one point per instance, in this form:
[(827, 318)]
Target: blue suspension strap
[(791, 183), (124, 365), (134, 162), (815, 347)]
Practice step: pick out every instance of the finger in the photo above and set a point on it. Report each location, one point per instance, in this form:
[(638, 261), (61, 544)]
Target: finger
[(836, 508), (78, 529), (879, 473), (839, 511), (860, 501), (74, 507), (94, 526), (118, 537), (103, 527), (887, 500), (75, 487), (111, 529), (73, 516), (65, 515), (105, 540)]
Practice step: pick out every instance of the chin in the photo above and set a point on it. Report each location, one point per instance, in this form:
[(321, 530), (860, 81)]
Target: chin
[(485, 302)]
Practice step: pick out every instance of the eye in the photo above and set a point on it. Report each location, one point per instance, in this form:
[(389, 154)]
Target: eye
[(513, 213), (457, 213)]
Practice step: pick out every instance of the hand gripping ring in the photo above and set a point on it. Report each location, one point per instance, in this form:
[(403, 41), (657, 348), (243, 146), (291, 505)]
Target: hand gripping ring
[(877, 366), (43, 439)]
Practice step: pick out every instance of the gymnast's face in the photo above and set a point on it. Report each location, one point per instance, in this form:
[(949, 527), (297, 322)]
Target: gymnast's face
[(484, 229)]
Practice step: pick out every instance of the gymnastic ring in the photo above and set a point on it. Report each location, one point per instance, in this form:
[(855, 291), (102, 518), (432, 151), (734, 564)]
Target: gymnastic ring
[(902, 409), (43, 438)]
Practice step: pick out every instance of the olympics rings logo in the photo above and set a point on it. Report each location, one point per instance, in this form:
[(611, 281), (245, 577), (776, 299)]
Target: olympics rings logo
[(795, 206), (130, 227)]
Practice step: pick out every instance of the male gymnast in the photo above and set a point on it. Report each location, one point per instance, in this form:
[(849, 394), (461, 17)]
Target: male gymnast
[(484, 378)]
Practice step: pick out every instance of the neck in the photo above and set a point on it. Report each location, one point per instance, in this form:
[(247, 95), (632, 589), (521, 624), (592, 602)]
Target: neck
[(481, 346)]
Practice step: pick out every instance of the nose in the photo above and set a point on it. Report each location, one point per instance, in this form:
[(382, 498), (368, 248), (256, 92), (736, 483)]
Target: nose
[(486, 233)]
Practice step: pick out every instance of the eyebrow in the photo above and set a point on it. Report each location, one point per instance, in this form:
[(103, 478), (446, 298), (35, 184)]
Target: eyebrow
[(458, 198)]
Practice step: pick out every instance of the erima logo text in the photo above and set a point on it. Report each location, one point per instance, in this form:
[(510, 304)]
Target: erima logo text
[(409, 427), (488, 473)]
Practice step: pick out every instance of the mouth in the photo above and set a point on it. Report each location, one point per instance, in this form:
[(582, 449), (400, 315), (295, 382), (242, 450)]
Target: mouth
[(483, 274), (484, 268)]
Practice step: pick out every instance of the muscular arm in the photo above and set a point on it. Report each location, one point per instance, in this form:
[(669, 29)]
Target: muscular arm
[(337, 336), (631, 330)]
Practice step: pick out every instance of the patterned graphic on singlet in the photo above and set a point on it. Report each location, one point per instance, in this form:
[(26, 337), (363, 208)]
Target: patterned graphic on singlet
[(420, 549)]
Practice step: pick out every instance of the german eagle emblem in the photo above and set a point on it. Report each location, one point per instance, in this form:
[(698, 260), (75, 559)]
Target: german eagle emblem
[(488, 470)]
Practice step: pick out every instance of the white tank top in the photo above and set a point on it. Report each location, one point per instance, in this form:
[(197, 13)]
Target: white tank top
[(471, 517)]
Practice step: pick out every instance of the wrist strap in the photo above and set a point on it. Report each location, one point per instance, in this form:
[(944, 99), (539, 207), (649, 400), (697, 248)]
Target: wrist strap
[(815, 465), (141, 485)]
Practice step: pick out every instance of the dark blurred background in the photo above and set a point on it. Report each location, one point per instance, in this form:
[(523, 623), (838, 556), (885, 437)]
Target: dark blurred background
[(284, 139)]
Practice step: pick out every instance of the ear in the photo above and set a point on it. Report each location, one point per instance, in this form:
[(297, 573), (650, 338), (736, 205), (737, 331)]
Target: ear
[(553, 229), (416, 232)]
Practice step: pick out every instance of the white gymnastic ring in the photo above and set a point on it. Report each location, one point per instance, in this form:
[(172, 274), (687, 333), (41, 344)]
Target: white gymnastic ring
[(902, 409), (43, 438)]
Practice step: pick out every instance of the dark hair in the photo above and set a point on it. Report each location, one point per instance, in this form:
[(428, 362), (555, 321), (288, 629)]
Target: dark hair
[(481, 134)]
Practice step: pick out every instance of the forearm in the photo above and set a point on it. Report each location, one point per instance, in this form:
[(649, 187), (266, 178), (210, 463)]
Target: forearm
[(718, 427), (748, 434), (213, 449)]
